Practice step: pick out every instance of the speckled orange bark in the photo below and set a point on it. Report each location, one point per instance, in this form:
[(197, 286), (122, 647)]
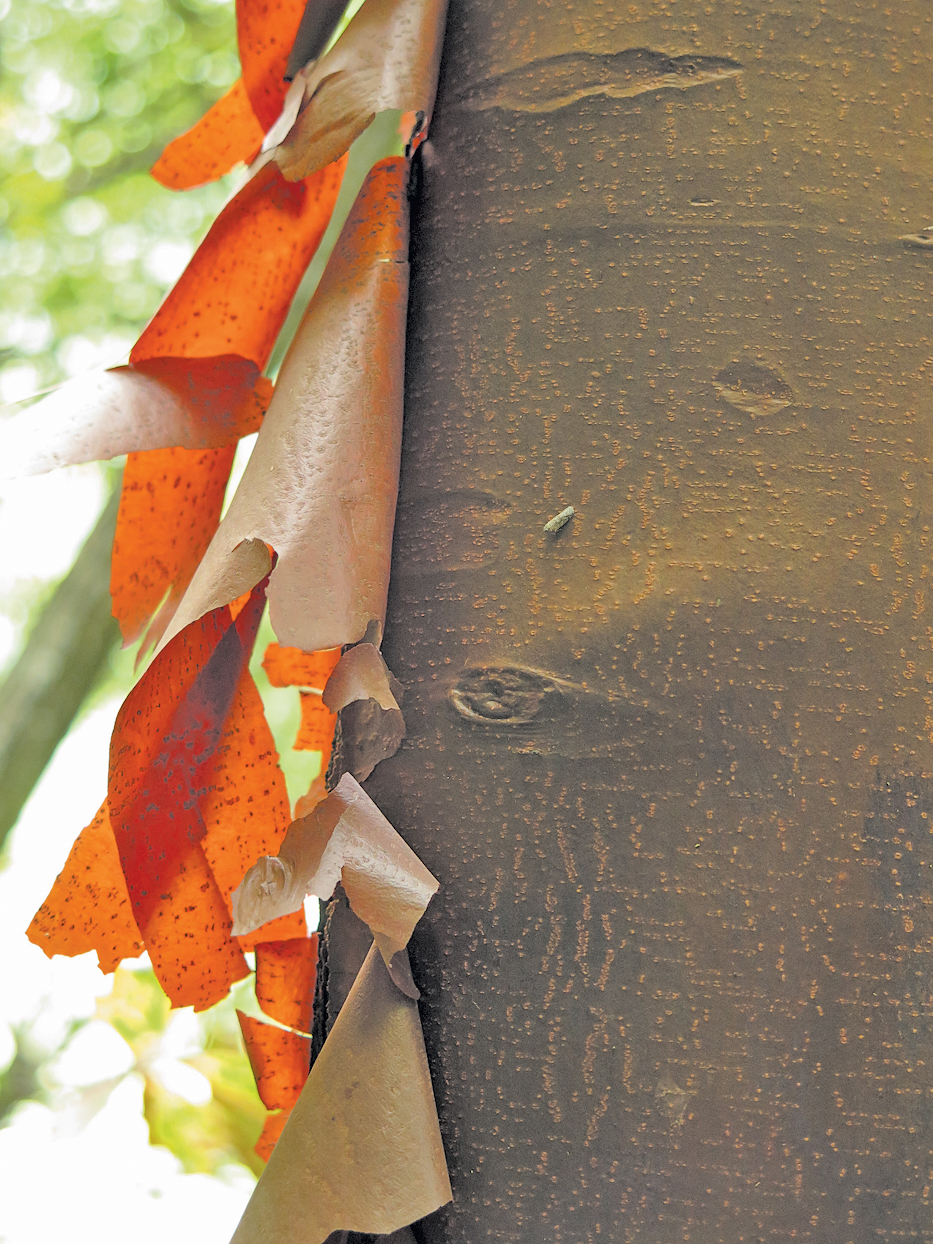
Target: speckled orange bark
[(266, 30), (271, 1131), (188, 936), (279, 1060), (161, 758), (316, 732), (290, 667), (235, 293), (246, 810), (169, 510), (227, 134), (286, 972), (88, 907)]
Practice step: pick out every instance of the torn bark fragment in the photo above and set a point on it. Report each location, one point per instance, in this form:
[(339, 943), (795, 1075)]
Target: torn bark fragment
[(279, 1061), (344, 839), (362, 1149), (364, 692), (229, 133), (387, 58), (235, 293), (170, 504), (266, 31), (162, 403), (88, 907), (321, 484), (246, 811)]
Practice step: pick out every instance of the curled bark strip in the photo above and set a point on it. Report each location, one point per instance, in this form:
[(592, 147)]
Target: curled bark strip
[(228, 134), (279, 1061), (88, 907), (235, 293), (363, 1134), (344, 839), (271, 1131), (246, 811), (266, 30), (187, 935), (286, 972), (321, 484), (163, 403), (170, 506), (290, 667), (164, 744), (387, 58)]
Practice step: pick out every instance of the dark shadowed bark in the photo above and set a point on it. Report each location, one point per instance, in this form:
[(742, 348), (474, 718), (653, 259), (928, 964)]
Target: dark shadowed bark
[(64, 657), (672, 763)]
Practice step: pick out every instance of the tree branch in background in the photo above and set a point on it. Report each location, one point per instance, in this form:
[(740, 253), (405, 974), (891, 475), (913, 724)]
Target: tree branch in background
[(61, 663)]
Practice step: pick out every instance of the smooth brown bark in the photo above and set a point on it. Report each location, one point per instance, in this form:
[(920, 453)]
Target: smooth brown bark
[(672, 764)]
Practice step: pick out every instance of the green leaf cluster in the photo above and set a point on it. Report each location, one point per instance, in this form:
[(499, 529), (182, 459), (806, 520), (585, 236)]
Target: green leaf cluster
[(90, 93)]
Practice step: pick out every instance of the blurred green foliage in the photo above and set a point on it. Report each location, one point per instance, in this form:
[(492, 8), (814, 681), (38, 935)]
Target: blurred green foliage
[(90, 93), (223, 1122)]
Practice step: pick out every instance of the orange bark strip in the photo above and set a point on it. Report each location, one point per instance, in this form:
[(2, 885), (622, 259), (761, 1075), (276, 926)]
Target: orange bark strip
[(235, 293), (227, 134), (169, 509), (246, 812), (161, 758), (286, 973), (188, 936), (88, 907), (279, 1060), (266, 30), (271, 1131), (290, 667), (164, 745), (316, 732)]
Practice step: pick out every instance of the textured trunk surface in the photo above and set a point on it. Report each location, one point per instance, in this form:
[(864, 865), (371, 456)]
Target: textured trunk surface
[(672, 764)]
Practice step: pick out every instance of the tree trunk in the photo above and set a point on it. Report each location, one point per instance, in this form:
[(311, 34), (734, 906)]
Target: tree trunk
[(672, 762)]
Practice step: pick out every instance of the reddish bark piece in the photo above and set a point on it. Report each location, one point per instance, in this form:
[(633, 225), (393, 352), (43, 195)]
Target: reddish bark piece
[(235, 293), (271, 1131), (187, 932), (226, 135), (246, 809), (279, 1060), (161, 403), (321, 484), (88, 907), (316, 731), (170, 506), (286, 973), (387, 58), (266, 30), (290, 667), (163, 746)]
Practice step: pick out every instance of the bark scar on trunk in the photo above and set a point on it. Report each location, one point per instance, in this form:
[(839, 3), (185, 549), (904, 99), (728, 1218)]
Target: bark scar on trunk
[(556, 81)]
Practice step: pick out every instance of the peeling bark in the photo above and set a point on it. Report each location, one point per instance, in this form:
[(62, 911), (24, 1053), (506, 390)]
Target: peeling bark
[(672, 763)]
